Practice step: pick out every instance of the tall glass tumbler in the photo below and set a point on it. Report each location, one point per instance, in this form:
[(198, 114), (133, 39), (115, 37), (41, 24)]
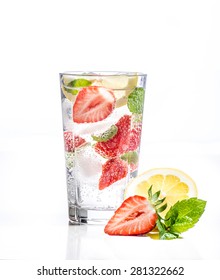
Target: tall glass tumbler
[(102, 123)]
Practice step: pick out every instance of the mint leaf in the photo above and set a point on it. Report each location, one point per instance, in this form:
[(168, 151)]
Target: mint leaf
[(137, 118), (108, 134), (77, 83), (166, 235), (162, 208), (136, 100), (159, 201), (150, 193), (155, 196), (130, 157), (161, 227), (184, 214)]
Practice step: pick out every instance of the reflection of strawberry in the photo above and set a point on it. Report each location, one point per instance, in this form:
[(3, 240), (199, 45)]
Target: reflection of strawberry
[(68, 141), (119, 144), (133, 167), (93, 104), (112, 171), (70, 145), (135, 138), (78, 141), (135, 216), (132, 159)]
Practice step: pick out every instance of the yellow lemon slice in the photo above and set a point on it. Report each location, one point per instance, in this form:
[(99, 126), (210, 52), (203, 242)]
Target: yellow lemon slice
[(122, 87), (174, 184)]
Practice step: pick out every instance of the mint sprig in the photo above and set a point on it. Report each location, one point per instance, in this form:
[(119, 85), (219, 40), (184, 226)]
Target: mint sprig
[(136, 100), (156, 202), (130, 157), (182, 216)]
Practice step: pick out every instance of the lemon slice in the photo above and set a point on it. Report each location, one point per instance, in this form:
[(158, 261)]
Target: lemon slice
[(122, 87), (174, 184), (115, 82)]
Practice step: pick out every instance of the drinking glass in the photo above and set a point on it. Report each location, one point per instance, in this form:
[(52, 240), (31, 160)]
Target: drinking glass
[(102, 122)]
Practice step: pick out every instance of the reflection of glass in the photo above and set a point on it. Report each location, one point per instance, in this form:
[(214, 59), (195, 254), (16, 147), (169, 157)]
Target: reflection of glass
[(83, 243), (75, 235), (102, 123), (88, 242)]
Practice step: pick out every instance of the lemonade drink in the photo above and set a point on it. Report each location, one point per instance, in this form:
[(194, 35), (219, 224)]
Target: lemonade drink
[(102, 124)]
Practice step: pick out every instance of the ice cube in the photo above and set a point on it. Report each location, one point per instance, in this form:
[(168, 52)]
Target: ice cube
[(88, 164)]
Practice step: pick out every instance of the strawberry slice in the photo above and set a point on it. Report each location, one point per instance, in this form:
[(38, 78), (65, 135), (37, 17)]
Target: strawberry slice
[(135, 216), (119, 144), (112, 170), (69, 144), (93, 104)]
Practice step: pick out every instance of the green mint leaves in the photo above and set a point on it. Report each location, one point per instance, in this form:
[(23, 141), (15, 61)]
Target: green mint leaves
[(182, 216), (130, 157), (156, 202), (136, 100), (77, 83), (108, 134)]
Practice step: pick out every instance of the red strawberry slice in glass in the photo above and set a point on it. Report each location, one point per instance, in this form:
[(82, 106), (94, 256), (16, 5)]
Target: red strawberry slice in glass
[(119, 144), (135, 216), (112, 170), (69, 144), (93, 104)]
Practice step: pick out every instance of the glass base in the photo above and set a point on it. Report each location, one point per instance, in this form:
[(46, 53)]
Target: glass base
[(78, 216)]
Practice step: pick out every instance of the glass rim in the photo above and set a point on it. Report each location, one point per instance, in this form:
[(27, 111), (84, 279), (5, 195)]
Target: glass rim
[(102, 73)]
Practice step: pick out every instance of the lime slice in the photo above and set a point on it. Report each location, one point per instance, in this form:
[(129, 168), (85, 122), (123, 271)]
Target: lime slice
[(71, 97), (70, 86)]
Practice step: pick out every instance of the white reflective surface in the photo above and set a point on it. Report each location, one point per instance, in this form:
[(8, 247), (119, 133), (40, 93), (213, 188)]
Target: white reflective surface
[(33, 205)]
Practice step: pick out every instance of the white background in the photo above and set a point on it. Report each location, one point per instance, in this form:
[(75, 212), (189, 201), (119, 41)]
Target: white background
[(175, 42)]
